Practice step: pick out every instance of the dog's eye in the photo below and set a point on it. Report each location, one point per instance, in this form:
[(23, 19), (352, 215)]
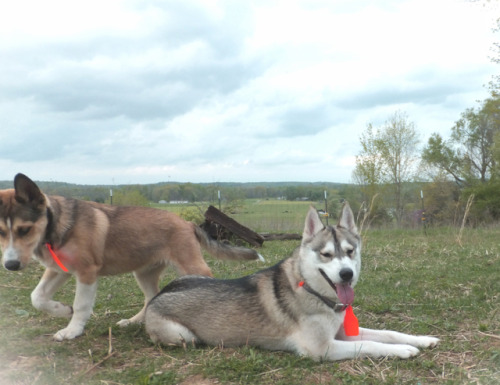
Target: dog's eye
[(22, 231), (2, 233), (350, 252), (326, 254)]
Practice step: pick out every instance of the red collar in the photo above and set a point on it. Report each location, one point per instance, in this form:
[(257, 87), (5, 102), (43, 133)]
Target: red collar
[(55, 257)]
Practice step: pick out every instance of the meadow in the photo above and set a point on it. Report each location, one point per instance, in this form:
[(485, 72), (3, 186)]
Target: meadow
[(433, 284)]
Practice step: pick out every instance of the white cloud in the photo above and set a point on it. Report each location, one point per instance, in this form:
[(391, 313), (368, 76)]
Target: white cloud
[(220, 90)]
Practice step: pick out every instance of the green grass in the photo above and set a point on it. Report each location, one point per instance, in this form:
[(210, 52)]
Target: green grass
[(410, 282)]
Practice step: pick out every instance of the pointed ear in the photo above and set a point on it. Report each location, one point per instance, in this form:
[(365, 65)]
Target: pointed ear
[(347, 219), (27, 191), (313, 224)]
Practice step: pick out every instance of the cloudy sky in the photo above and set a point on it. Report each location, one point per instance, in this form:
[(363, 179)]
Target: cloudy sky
[(102, 92)]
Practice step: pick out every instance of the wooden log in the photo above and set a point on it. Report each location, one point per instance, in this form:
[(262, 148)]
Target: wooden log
[(214, 215)]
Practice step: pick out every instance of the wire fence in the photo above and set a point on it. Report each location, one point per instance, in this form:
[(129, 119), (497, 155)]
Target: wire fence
[(261, 216)]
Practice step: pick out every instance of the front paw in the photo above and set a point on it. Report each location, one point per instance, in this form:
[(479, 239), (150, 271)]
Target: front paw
[(68, 333), (403, 351), (426, 342), (124, 323)]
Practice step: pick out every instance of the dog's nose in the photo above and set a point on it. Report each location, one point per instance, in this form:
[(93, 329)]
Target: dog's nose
[(346, 274), (12, 265)]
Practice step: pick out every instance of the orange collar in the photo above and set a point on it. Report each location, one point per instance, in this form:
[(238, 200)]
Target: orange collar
[(55, 257)]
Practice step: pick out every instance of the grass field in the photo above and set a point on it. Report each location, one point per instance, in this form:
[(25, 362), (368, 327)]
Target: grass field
[(410, 282)]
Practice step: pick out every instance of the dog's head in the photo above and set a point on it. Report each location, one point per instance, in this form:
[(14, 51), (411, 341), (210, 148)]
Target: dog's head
[(331, 255), (23, 222)]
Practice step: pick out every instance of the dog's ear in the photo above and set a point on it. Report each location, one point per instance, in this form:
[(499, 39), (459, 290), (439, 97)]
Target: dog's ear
[(313, 224), (27, 191), (347, 219)]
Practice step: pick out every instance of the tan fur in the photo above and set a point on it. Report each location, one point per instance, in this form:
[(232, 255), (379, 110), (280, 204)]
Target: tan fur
[(93, 240)]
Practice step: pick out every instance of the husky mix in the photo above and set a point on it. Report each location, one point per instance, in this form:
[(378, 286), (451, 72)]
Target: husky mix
[(297, 305), (88, 240)]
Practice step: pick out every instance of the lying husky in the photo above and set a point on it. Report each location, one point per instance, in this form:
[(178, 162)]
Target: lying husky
[(297, 305), (88, 240)]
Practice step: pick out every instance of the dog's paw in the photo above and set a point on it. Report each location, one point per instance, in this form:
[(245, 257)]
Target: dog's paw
[(124, 323), (403, 351), (137, 319), (68, 333), (426, 342)]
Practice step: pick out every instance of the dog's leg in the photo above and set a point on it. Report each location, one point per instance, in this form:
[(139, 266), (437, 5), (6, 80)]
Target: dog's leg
[(82, 309), (189, 261), (148, 282), (390, 337), (321, 346), (168, 332), (341, 350), (41, 297)]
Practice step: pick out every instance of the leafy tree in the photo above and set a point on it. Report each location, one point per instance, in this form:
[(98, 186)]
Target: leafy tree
[(388, 157), (471, 156), (441, 201), (368, 171), (468, 156), (192, 214)]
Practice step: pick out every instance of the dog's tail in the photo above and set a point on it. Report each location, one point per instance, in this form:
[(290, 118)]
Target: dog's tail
[(222, 250)]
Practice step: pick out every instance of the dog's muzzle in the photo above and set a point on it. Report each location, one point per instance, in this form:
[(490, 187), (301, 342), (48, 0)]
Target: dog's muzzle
[(346, 274), (12, 265)]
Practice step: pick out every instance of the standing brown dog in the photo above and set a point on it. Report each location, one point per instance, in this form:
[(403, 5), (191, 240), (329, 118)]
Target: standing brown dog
[(88, 240)]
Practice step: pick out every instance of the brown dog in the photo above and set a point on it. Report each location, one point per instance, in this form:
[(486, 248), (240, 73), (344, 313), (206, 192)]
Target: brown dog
[(88, 240)]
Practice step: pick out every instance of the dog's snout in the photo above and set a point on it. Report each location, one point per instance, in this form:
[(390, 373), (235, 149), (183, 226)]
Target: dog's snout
[(12, 265), (346, 274)]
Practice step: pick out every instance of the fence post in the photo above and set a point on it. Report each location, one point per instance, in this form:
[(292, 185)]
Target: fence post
[(326, 209), (423, 211)]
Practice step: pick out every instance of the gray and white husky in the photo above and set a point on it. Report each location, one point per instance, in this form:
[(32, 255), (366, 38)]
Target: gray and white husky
[(297, 305)]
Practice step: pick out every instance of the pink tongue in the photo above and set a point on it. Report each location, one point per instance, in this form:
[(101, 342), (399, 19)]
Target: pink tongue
[(345, 294)]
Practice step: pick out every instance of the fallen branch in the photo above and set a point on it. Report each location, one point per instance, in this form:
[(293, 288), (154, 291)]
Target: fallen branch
[(97, 364), (490, 335), (110, 354), (280, 237)]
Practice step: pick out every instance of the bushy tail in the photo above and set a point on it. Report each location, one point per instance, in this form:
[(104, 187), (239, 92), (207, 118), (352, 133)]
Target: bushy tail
[(222, 250)]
